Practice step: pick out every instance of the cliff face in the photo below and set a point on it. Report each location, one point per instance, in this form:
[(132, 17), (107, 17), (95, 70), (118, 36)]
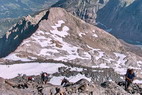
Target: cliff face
[(20, 31), (84, 9), (122, 19)]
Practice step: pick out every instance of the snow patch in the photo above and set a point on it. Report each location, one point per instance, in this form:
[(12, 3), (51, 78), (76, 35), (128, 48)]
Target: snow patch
[(60, 22), (14, 57), (101, 54), (121, 61), (62, 33), (101, 66), (137, 81), (77, 69), (11, 71), (94, 34), (81, 34), (58, 80)]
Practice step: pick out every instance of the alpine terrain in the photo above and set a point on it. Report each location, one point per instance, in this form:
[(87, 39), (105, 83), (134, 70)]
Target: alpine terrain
[(64, 46), (122, 18)]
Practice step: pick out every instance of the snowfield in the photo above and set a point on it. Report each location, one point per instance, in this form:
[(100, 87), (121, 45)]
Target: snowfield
[(11, 71)]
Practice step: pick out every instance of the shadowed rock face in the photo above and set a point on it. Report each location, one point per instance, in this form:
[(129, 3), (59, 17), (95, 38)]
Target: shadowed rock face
[(84, 9), (123, 20), (20, 31)]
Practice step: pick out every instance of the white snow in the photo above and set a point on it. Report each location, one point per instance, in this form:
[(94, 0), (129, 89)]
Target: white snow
[(121, 71), (57, 80), (42, 40), (53, 42), (11, 71), (81, 34), (101, 66), (60, 22), (62, 33), (14, 57), (77, 69), (109, 59), (72, 51), (45, 51), (138, 81), (94, 34), (121, 59), (101, 54)]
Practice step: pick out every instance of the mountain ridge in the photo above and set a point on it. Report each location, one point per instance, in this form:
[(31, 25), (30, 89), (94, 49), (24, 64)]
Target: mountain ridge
[(64, 37)]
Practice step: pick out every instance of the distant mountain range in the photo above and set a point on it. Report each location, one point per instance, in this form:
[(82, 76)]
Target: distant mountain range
[(123, 19), (19, 8)]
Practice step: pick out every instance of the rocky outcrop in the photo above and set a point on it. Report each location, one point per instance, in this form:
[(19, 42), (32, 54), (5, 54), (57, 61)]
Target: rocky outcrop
[(81, 87), (84, 9), (20, 31)]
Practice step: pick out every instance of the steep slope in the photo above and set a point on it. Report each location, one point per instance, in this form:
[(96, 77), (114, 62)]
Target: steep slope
[(6, 24), (63, 34), (85, 9), (58, 35), (23, 29), (124, 20)]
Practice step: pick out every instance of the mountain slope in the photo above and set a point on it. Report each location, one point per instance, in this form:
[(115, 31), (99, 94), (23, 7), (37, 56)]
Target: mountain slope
[(58, 35), (66, 36), (84, 9), (124, 20)]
